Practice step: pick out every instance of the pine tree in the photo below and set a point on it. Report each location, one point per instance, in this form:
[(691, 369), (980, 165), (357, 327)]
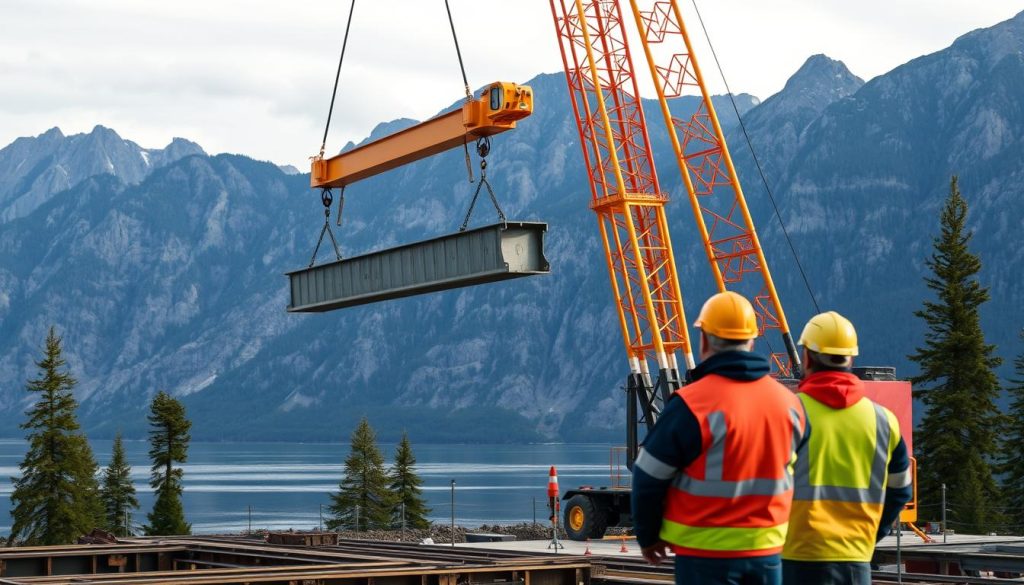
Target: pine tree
[(168, 440), (972, 511), (958, 435), (405, 485), (56, 499), (363, 500), (118, 493), (1013, 448)]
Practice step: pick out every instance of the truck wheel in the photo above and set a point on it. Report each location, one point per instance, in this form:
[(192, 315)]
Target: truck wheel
[(585, 518)]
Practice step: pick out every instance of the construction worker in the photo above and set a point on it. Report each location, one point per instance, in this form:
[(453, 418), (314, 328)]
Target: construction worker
[(853, 475), (713, 479)]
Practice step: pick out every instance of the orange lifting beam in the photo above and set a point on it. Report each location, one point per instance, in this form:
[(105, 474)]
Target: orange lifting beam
[(496, 110)]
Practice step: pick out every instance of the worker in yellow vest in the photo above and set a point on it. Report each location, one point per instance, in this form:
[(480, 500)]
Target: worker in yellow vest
[(713, 482), (852, 477)]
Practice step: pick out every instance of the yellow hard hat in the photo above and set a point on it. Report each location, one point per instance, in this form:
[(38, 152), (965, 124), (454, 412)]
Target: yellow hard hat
[(830, 333), (729, 316)]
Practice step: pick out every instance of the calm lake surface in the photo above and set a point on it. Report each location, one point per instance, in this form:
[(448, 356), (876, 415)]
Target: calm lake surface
[(285, 484)]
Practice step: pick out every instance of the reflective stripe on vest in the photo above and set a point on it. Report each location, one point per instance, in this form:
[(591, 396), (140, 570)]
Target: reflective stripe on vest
[(873, 494), (714, 486), (724, 539), (653, 466), (840, 480)]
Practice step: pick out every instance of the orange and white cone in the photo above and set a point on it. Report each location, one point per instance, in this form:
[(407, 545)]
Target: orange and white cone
[(587, 552), (623, 549), (552, 483)]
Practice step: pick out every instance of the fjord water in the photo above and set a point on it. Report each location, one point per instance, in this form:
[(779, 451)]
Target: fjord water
[(285, 484)]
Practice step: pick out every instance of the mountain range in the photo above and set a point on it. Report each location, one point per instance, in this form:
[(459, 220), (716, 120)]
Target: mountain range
[(163, 269)]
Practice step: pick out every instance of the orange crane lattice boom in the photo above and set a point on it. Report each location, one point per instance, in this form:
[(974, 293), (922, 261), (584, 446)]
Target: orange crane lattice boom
[(719, 207), (628, 200)]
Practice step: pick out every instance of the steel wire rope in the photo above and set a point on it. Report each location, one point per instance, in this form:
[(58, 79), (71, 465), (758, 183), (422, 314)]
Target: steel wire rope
[(465, 83), (325, 195), (337, 76), (483, 145), (757, 162), (458, 52)]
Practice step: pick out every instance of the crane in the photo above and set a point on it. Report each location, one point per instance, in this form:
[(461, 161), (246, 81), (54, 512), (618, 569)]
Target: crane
[(629, 203), (630, 206)]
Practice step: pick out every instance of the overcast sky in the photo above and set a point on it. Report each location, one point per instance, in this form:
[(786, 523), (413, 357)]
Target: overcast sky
[(254, 76)]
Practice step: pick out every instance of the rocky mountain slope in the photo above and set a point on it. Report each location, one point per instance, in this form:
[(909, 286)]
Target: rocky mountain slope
[(862, 191), (34, 169), (171, 276)]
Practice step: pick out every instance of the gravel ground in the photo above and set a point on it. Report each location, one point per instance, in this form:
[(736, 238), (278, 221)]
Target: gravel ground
[(442, 533)]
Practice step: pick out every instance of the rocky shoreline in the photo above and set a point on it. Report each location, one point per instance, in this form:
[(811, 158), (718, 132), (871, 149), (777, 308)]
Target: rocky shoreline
[(442, 533)]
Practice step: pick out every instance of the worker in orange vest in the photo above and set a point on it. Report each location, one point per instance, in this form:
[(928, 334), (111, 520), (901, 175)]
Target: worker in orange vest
[(713, 480), (853, 476)]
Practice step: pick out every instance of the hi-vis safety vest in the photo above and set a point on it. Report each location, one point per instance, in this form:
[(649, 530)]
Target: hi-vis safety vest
[(734, 500), (840, 482)]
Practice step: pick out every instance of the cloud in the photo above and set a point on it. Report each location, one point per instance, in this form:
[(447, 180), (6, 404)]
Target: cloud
[(254, 76)]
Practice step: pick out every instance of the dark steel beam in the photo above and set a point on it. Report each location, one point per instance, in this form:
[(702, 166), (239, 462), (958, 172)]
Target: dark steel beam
[(477, 256)]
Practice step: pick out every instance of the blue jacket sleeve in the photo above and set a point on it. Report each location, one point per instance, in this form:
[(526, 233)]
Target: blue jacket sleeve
[(805, 439), (898, 490), (673, 443)]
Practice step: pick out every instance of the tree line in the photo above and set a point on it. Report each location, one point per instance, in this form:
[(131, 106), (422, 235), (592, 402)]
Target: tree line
[(61, 494), (964, 443)]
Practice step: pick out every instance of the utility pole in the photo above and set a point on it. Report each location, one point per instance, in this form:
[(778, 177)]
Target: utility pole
[(403, 518), (127, 525), (943, 513), (453, 513), (320, 526), (357, 517), (250, 520), (535, 510), (899, 550)]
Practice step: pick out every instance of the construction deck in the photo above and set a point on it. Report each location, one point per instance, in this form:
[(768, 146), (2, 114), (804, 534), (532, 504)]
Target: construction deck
[(962, 555), (231, 560), (198, 560)]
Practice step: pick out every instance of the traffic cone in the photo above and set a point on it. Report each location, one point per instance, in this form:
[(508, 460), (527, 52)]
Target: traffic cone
[(555, 507), (623, 549), (553, 483), (587, 552)]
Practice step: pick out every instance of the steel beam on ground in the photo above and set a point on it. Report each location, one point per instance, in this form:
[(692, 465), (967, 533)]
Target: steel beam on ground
[(220, 560), (486, 254)]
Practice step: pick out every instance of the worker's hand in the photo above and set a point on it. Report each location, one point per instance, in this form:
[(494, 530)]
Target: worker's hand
[(655, 553)]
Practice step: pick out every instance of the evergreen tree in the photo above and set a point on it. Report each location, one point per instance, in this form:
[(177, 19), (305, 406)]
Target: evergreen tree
[(1013, 448), (56, 499), (118, 493), (168, 440), (363, 500), (405, 485), (958, 436)]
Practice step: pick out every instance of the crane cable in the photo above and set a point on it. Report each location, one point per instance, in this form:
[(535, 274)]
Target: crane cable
[(337, 76), (465, 83), (483, 145), (757, 162), (325, 194), (455, 37)]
